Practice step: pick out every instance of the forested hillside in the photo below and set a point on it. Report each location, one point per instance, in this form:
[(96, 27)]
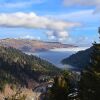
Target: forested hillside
[(80, 59), (19, 68)]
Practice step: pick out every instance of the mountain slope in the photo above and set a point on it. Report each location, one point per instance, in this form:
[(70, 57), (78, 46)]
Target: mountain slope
[(80, 59), (27, 45), (19, 68)]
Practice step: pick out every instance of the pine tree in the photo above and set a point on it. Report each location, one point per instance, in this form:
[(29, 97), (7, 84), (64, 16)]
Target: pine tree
[(60, 88), (90, 78)]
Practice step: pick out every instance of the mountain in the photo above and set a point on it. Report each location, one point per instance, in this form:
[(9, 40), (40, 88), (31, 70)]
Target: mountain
[(17, 68), (27, 45), (80, 59)]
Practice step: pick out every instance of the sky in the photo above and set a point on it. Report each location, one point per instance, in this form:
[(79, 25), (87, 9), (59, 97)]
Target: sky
[(67, 21)]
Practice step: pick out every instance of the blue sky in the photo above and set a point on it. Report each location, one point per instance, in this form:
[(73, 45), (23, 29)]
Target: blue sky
[(67, 21)]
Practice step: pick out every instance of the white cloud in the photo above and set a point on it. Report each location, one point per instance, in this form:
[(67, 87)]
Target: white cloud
[(95, 3), (83, 16), (57, 35), (83, 3), (58, 28), (31, 20), (83, 38), (87, 18), (29, 37)]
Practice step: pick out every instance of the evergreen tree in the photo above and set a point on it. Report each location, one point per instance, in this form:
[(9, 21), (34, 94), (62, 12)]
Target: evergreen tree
[(61, 88), (90, 79)]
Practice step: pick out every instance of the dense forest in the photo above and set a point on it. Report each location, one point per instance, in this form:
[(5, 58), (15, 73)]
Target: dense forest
[(77, 61), (18, 68)]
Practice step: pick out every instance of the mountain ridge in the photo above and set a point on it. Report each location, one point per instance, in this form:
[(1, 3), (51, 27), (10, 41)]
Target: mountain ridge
[(28, 45), (80, 59)]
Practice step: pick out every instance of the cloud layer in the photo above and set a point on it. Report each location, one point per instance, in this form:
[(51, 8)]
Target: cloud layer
[(56, 28), (83, 3)]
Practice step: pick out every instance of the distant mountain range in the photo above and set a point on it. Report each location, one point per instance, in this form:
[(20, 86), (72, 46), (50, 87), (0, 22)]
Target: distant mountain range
[(27, 45), (79, 60)]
